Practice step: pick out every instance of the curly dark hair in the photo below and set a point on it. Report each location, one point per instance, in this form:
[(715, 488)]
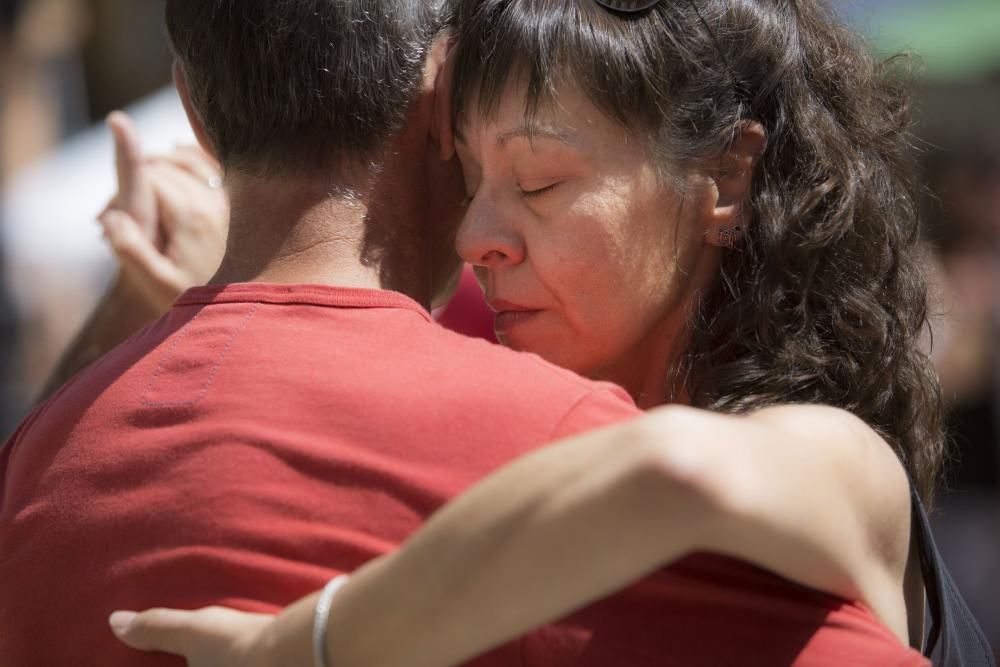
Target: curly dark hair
[(824, 299)]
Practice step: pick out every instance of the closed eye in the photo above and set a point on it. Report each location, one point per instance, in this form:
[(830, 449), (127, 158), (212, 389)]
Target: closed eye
[(539, 191)]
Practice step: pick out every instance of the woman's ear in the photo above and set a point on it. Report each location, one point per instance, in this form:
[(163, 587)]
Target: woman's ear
[(197, 125), (730, 183)]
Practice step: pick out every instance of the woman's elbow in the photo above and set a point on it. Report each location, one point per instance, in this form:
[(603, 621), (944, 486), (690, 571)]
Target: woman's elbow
[(677, 475)]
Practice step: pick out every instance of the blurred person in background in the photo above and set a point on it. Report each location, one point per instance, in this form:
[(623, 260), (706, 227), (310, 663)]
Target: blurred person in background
[(966, 232), (962, 211), (125, 55), (70, 62), (41, 90), (12, 54)]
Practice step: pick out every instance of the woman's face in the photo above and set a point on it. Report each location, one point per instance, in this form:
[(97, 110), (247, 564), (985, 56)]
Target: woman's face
[(584, 253)]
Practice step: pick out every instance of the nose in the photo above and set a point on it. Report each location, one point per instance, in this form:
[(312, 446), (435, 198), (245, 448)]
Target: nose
[(487, 238)]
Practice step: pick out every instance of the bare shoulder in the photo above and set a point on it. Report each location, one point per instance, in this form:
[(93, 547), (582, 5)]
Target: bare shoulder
[(862, 465), (800, 471), (865, 463), (847, 428), (819, 436)]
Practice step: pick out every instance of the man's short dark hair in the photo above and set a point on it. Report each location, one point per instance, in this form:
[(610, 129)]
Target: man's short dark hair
[(300, 86)]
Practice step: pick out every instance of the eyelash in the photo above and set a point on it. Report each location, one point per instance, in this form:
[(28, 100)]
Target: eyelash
[(524, 193), (538, 192)]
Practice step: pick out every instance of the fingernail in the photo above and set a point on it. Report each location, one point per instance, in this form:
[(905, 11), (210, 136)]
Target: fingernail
[(121, 620)]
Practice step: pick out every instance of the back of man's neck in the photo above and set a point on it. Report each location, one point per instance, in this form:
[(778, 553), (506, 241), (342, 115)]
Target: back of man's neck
[(295, 234)]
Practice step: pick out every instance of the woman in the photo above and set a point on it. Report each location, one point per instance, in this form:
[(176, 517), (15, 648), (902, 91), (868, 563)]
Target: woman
[(710, 204)]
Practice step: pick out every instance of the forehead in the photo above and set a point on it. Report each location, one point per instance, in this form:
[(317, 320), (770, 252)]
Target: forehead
[(566, 115)]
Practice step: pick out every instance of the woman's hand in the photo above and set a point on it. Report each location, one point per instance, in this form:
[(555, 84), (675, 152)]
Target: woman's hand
[(167, 224), (210, 637)]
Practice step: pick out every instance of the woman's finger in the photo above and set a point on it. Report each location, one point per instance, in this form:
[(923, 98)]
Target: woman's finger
[(135, 196), (195, 162), (155, 274), (167, 630), (178, 176), (185, 202), (198, 153), (133, 248), (211, 636)]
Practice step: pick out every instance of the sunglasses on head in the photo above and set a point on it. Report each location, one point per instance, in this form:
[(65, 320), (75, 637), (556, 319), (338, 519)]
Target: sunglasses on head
[(628, 6)]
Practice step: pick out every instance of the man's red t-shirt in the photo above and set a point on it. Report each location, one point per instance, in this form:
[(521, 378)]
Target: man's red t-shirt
[(259, 439)]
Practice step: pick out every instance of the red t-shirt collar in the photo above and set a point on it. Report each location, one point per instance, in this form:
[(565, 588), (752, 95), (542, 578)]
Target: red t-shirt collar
[(313, 295)]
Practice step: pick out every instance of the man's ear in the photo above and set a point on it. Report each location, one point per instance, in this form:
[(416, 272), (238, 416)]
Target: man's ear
[(197, 125), (730, 183), (441, 65)]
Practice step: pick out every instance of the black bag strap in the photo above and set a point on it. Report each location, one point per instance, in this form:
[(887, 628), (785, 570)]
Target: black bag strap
[(954, 633)]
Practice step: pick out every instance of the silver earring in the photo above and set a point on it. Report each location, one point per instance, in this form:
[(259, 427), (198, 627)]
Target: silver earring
[(727, 237)]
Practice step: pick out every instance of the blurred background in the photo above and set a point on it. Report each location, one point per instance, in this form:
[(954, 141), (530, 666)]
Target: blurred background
[(64, 64)]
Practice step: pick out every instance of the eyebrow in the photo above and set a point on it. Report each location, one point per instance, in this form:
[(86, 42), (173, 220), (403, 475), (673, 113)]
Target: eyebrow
[(538, 131), (527, 131)]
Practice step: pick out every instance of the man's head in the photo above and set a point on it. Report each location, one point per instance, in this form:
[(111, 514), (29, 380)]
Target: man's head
[(298, 87)]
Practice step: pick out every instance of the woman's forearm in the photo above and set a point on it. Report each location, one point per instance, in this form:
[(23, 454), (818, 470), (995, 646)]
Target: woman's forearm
[(583, 518), (545, 535), (538, 539)]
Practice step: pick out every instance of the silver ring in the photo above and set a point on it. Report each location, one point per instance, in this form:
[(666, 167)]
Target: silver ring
[(215, 182)]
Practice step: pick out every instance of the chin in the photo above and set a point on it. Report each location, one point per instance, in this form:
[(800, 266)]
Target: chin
[(555, 349)]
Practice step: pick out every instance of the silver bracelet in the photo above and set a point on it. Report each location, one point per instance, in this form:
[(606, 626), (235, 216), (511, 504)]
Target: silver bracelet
[(321, 618)]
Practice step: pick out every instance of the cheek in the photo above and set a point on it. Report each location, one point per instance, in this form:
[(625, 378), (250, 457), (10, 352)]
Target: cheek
[(619, 273), (596, 283), (628, 245), (658, 249), (583, 258)]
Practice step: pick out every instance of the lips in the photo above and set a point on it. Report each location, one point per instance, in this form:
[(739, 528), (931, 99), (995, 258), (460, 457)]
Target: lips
[(510, 315)]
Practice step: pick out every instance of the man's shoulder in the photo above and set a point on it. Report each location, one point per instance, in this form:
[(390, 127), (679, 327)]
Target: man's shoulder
[(501, 382), (378, 358)]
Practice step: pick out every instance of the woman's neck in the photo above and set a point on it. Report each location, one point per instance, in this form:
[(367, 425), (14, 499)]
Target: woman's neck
[(645, 370)]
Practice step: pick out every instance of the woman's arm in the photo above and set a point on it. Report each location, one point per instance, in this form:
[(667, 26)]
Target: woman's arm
[(807, 492), (813, 494)]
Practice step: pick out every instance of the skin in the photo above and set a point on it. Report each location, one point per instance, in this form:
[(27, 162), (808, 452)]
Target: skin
[(580, 496), (589, 259)]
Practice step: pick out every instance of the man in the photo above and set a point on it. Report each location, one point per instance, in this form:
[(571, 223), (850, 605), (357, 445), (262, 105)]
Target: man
[(302, 414)]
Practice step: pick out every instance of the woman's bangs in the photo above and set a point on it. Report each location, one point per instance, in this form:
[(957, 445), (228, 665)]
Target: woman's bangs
[(539, 45)]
